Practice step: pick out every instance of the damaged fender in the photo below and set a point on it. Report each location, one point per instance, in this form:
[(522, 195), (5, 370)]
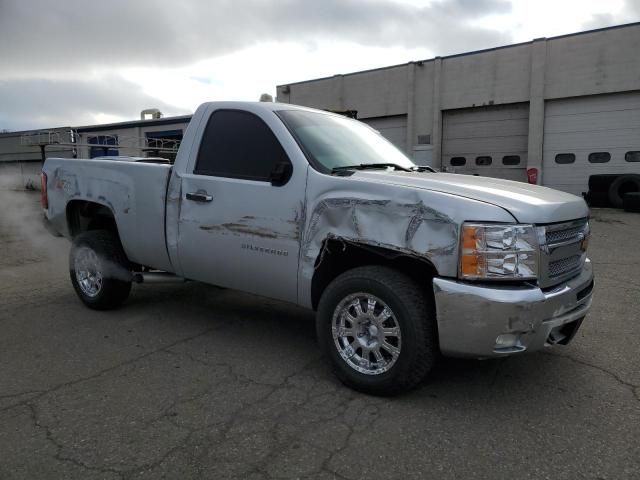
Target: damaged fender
[(412, 221)]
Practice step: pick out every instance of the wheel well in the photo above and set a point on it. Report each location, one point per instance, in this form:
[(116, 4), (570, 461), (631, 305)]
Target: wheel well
[(83, 216), (338, 255)]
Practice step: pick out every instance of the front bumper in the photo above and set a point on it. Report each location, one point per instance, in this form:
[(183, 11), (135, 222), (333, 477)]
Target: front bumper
[(483, 321)]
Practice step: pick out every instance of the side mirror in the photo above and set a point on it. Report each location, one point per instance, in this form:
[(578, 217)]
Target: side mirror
[(281, 173)]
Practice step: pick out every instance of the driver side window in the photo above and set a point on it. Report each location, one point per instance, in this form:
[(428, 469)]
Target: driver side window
[(238, 144)]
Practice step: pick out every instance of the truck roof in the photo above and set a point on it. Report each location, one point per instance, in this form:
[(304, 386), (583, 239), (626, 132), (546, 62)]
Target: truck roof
[(269, 106)]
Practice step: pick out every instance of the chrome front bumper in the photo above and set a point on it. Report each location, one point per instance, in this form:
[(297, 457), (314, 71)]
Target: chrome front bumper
[(483, 321)]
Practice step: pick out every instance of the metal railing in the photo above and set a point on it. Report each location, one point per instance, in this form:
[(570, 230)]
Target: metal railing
[(72, 139)]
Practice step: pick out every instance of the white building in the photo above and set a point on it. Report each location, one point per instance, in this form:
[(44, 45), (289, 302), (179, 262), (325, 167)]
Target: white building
[(561, 109), (22, 153)]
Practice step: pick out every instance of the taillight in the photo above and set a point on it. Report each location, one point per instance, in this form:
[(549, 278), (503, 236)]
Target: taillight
[(44, 200)]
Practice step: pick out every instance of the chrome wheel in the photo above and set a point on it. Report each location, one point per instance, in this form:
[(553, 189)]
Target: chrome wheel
[(87, 271), (366, 333)]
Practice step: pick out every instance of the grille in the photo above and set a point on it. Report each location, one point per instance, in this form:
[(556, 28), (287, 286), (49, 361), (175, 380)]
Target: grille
[(564, 235), (562, 256), (560, 267)]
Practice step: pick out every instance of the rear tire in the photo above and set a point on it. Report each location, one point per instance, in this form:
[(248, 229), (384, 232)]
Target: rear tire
[(99, 270), (388, 344)]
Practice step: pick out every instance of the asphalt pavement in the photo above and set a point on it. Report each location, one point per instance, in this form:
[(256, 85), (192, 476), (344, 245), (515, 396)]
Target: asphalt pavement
[(190, 381)]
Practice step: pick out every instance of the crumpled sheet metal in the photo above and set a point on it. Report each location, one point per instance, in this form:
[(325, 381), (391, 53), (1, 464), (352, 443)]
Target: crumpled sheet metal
[(413, 228), (420, 223), (409, 228)]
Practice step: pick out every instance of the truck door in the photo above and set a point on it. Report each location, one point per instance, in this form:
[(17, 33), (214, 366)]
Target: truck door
[(241, 208)]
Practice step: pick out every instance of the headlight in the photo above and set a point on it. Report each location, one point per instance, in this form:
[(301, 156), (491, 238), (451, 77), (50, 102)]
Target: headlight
[(497, 251)]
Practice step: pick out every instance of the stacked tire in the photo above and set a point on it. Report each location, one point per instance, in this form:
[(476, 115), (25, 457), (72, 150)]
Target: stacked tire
[(610, 190), (621, 187), (598, 194), (631, 202)]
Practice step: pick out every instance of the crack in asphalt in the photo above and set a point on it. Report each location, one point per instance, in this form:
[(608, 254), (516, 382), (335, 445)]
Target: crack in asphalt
[(20, 394), (31, 403), (365, 416), (261, 466), (99, 373), (33, 415), (37, 395), (635, 389), (348, 441)]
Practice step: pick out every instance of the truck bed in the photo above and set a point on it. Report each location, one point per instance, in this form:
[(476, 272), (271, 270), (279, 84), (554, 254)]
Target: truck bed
[(134, 191)]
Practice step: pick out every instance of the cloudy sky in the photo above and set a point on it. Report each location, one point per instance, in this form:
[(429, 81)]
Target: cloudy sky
[(73, 62)]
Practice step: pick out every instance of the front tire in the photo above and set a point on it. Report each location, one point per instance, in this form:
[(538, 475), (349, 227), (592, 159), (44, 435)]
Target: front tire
[(377, 327), (99, 270)]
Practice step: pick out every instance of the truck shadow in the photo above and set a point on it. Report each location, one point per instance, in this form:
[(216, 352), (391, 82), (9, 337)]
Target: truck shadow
[(267, 324)]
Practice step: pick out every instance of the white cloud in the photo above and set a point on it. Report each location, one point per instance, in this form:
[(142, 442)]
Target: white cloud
[(76, 64), (246, 74), (154, 33), (42, 103), (547, 18)]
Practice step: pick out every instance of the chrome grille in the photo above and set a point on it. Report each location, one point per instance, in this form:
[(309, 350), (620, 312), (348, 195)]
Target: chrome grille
[(566, 235), (560, 267), (562, 254)]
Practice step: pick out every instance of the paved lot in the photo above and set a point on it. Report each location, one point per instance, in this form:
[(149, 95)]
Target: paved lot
[(190, 381)]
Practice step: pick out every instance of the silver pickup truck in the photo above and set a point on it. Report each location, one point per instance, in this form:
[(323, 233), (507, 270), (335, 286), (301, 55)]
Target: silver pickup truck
[(401, 263)]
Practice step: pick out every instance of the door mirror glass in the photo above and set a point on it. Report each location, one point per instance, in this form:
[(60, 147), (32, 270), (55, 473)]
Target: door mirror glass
[(281, 173)]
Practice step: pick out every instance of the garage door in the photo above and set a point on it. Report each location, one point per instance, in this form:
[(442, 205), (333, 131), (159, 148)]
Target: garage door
[(488, 141), (393, 128), (585, 136)]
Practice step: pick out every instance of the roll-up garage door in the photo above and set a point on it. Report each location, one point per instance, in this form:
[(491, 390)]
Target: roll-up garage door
[(393, 128), (488, 141), (592, 135)]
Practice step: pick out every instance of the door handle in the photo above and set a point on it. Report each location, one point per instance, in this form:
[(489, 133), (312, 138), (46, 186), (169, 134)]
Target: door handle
[(199, 197)]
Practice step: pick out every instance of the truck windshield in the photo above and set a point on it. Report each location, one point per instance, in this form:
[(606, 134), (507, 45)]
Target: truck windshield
[(333, 141)]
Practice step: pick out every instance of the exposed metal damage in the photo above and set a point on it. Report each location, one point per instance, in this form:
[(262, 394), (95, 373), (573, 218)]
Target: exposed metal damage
[(241, 229), (408, 228), (258, 227)]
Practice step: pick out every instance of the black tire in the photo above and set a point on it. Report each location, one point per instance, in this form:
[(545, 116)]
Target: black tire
[(601, 182), (110, 262), (621, 185), (631, 202), (598, 199), (413, 309)]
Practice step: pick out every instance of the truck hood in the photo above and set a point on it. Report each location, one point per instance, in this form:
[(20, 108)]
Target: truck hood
[(527, 203)]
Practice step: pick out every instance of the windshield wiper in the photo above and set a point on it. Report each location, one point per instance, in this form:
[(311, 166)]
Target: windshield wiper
[(365, 166), (423, 168)]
